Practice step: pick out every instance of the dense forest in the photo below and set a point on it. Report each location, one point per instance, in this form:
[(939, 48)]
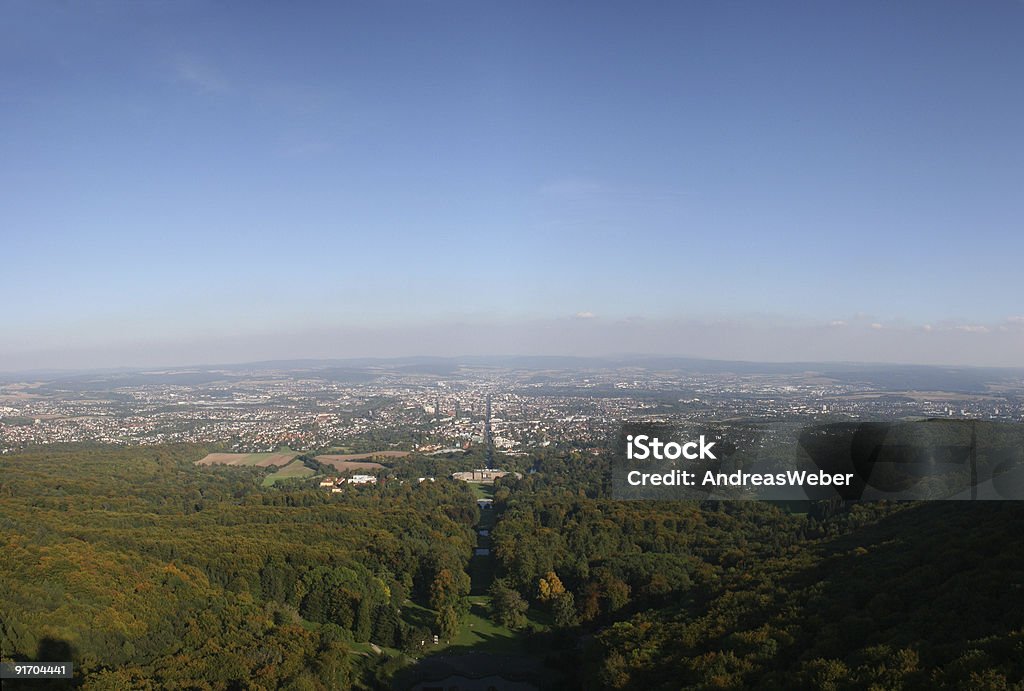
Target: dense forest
[(153, 572), (820, 595)]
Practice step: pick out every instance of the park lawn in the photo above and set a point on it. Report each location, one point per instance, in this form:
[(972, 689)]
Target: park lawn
[(483, 635), (477, 633), (482, 490)]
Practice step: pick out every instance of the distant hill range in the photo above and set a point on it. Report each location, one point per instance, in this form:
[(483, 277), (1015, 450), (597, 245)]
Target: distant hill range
[(365, 370)]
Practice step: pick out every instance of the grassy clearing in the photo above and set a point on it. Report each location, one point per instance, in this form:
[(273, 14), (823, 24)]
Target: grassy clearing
[(292, 470)]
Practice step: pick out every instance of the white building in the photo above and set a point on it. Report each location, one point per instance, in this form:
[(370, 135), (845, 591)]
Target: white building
[(362, 480)]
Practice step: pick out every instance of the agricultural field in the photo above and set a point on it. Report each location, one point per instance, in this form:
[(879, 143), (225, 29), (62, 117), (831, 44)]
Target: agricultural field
[(354, 461), (361, 456), (263, 460), (351, 465)]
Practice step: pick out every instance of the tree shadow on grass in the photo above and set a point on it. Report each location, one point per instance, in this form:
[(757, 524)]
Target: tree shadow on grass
[(473, 663)]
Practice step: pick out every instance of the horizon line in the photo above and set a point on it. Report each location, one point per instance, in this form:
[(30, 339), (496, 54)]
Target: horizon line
[(368, 359)]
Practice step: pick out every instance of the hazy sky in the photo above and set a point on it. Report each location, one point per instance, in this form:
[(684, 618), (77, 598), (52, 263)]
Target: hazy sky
[(199, 182)]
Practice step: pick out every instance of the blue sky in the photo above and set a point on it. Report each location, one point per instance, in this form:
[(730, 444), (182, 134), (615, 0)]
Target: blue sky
[(185, 180)]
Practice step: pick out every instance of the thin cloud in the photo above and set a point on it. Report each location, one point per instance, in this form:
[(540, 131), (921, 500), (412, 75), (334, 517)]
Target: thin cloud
[(586, 315)]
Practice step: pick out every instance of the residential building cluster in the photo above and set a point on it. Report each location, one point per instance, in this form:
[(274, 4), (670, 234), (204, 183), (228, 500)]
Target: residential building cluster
[(262, 410)]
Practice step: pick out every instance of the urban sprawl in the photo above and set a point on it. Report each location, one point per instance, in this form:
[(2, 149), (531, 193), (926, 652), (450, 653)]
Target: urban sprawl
[(263, 409)]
